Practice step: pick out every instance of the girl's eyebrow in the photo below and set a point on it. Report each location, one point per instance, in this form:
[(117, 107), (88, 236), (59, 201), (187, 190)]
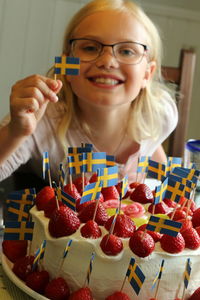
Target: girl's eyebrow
[(98, 39)]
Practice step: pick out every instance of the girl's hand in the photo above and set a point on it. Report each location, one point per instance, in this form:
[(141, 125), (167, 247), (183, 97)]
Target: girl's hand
[(28, 101)]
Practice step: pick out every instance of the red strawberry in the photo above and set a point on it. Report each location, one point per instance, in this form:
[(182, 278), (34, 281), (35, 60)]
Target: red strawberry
[(196, 218), (79, 183), (57, 289), (37, 281), (82, 294), (93, 178), (135, 184), (43, 197), (72, 191), (142, 194), (198, 230), (172, 244), (192, 239), (155, 235), (195, 295), (186, 224), (178, 215), (51, 206), (187, 211), (79, 206), (169, 202), (111, 244), (14, 249), (23, 266), (141, 243), (110, 192), (118, 296), (63, 222), (91, 230), (124, 226), (160, 208), (87, 214)]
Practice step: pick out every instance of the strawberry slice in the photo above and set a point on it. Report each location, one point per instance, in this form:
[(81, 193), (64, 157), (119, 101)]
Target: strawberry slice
[(159, 208)]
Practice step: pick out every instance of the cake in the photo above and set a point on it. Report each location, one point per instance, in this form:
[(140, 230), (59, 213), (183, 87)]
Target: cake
[(109, 272)]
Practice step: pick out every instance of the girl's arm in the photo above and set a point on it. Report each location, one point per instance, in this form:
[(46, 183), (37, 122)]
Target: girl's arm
[(28, 101)]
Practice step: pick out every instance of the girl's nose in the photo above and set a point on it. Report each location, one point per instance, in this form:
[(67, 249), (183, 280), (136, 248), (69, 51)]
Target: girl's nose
[(107, 59)]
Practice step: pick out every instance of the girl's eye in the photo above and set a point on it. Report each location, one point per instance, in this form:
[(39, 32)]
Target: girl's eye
[(89, 48), (127, 52)]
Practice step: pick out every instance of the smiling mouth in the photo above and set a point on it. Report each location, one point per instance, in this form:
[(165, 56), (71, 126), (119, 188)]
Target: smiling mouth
[(106, 81)]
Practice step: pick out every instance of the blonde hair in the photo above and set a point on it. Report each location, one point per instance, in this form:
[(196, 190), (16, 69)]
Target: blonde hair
[(146, 109)]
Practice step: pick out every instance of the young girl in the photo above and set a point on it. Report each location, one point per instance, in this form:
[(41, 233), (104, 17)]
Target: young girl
[(118, 102)]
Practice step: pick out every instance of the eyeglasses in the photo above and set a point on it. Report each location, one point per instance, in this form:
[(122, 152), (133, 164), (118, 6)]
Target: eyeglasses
[(87, 50)]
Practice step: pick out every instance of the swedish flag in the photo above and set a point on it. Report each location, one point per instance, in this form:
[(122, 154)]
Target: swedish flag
[(108, 176), (39, 254), (187, 273), (46, 164), (164, 226), (110, 161), (95, 161), (68, 200), (21, 198), (90, 268), (75, 164), (18, 230), (67, 248), (79, 150), (175, 190), (172, 162), (135, 276), (65, 65), (143, 164), (18, 211), (61, 176), (124, 186), (156, 170), (158, 275), (160, 191), (91, 191)]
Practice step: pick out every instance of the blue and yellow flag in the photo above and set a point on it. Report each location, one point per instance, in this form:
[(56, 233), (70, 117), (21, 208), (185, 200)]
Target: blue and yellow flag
[(65, 65), (18, 211), (76, 164), (172, 162), (110, 161), (158, 275), (90, 268), (143, 164), (95, 161), (187, 273), (135, 276), (188, 185), (108, 176), (163, 226), (189, 174), (68, 200), (67, 248), (39, 254), (91, 191), (156, 170), (21, 197), (79, 150), (46, 164), (124, 186), (18, 230), (175, 190), (160, 191)]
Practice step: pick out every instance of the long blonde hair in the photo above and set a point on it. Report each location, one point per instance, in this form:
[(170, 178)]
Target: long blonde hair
[(146, 110)]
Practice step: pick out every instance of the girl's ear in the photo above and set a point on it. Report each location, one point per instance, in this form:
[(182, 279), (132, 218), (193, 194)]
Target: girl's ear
[(149, 73)]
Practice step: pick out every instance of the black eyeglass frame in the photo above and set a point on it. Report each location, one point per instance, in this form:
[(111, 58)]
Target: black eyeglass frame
[(109, 45)]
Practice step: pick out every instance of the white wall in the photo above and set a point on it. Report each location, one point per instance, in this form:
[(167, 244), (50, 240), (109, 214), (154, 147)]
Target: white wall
[(31, 33)]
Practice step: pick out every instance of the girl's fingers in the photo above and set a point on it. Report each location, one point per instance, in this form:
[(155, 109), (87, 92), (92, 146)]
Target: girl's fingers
[(23, 106)]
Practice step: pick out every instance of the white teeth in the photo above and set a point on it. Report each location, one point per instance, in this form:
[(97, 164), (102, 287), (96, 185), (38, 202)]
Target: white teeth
[(106, 80)]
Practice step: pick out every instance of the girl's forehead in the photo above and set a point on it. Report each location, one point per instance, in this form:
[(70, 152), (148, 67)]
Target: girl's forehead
[(111, 25)]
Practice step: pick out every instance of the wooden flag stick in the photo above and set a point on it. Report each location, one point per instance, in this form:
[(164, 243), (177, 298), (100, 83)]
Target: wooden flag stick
[(123, 284), (49, 176)]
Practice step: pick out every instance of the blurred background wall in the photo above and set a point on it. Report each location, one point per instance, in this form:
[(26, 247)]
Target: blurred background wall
[(31, 33)]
